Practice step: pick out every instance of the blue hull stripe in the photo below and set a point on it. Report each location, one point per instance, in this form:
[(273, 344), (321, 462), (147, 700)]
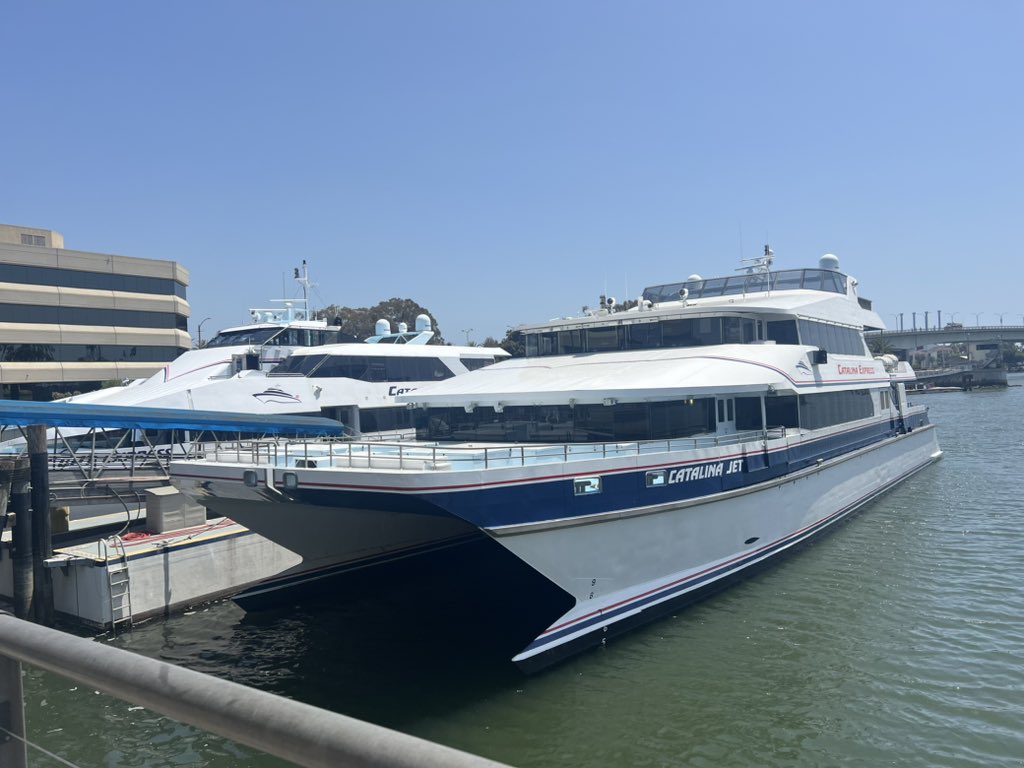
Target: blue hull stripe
[(496, 505)]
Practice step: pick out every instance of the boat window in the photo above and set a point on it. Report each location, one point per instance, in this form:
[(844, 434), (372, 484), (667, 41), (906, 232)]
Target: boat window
[(385, 419), (737, 330), (380, 368), (341, 366), (692, 332), (748, 413), (734, 286), (474, 363), (571, 342), (754, 282), (781, 411), (584, 423), (532, 344), (376, 370), (838, 339), (642, 336), (243, 336), (812, 279), (416, 369), (300, 365), (713, 287), (827, 409), (884, 400), (783, 332), (604, 339), (788, 280), (680, 333), (661, 293)]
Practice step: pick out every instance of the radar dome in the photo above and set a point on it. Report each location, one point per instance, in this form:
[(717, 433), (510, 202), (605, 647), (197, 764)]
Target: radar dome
[(382, 328), (829, 261), (694, 279), (422, 323)]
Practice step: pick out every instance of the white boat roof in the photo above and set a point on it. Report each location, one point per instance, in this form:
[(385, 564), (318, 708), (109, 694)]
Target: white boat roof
[(651, 374), (362, 349), (317, 324)]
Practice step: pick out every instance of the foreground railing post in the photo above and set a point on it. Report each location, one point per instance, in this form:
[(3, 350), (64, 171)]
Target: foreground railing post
[(13, 753)]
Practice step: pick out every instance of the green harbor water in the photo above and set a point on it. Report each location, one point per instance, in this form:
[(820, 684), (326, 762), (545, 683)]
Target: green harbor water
[(898, 639)]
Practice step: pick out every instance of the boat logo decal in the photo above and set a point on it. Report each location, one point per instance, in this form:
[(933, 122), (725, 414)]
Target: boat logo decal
[(856, 370), (700, 472), (803, 367), (276, 395)]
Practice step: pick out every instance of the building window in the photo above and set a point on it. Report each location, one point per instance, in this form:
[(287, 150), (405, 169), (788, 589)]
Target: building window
[(33, 240)]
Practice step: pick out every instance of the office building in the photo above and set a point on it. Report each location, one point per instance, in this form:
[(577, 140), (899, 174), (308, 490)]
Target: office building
[(71, 321)]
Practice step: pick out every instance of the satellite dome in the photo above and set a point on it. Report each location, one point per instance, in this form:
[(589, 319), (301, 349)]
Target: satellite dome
[(694, 279), (829, 261)]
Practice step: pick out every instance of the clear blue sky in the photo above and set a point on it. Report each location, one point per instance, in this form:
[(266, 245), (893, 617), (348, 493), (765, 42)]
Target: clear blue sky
[(507, 162)]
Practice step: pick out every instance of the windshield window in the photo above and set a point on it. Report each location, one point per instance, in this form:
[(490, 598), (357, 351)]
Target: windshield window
[(243, 336)]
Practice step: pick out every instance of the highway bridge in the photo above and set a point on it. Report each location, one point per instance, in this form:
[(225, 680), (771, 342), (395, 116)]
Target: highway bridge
[(973, 334)]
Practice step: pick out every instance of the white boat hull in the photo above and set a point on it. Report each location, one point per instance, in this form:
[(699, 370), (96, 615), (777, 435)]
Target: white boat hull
[(623, 566)]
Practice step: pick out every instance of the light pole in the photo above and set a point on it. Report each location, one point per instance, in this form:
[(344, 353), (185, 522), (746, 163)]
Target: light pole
[(952, 316), (896, 321), (199, 332), (467, 332), (977, 317), (1001, 316)]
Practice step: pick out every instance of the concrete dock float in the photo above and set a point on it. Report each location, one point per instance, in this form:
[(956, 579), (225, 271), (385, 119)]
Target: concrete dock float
[(110, 573)]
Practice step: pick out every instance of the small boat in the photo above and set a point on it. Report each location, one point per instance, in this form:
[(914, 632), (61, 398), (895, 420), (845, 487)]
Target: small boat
[(637, 460), (260, 345)]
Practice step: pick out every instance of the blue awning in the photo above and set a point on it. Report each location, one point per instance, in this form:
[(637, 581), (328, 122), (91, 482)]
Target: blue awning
[(24, 413)]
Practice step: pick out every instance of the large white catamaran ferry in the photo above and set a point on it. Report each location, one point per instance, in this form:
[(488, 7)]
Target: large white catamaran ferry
[(636, 459)]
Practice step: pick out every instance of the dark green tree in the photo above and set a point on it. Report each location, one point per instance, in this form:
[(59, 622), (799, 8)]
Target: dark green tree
[(513, 343), (360, 321)]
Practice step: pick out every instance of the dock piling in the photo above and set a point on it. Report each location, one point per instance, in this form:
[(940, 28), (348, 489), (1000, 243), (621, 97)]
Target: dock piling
[(42, 529), (22, 539)]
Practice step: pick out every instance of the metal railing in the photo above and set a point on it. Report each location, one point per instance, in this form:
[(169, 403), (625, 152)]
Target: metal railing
[(438, 457), (288, 729)]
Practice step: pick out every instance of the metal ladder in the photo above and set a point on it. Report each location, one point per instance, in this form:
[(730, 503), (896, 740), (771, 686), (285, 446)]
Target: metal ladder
[(119, 583)]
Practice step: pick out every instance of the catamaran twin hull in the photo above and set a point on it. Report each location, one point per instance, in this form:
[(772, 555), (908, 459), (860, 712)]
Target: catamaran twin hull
[(627, 536)]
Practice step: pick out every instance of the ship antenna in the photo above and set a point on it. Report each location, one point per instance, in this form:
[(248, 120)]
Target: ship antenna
[(760, 264), (306, 284)]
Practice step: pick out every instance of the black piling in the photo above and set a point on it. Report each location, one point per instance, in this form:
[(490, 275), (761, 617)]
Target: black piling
[(42, 531), (18, 506)]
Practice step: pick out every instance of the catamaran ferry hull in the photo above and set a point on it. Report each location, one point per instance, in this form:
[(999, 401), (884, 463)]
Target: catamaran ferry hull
[(631, 567), (622, 565)]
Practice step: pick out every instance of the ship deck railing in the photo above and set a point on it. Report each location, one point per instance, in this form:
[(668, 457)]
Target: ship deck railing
[(418, 456)]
